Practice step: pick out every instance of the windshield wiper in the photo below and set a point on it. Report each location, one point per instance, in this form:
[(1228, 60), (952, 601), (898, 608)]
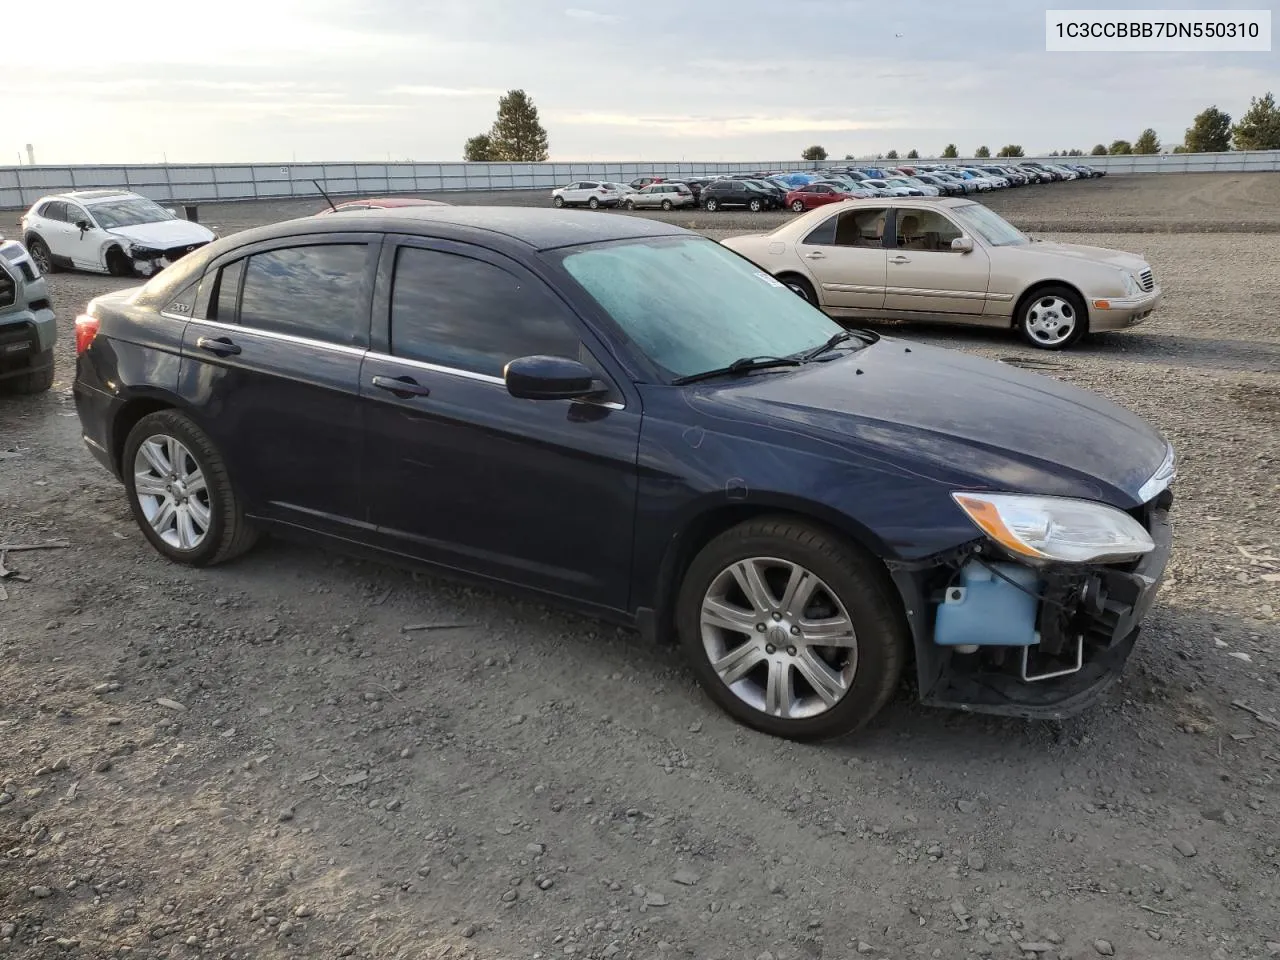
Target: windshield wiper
[(865, 336), (741, 365)]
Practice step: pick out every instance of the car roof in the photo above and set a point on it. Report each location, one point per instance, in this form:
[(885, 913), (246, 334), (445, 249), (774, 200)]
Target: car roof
[(84, 196), (396, 202), (540, 229)]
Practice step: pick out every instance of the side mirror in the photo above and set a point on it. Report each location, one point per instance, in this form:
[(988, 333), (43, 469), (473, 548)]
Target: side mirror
[(962, 244), (549, 378), (83, 225)]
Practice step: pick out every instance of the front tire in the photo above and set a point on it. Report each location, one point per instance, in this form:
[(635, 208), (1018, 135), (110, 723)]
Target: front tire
[(558, 202), (1053, 318), (792, 630), (118, 265), (797, 206), (180, 493), (712, 205), (37, 381), (628, 205)]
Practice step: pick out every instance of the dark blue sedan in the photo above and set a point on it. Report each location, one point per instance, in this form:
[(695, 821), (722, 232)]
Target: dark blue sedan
[(627, 417)]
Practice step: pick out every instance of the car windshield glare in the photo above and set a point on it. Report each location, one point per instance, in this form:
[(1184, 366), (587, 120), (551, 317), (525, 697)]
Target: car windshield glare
[(990, 226), (690, 305), (113, 214)]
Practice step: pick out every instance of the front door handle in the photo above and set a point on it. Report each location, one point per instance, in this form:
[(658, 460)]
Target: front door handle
[(816, 255), (402, 387), (222, 346), (900, 260)]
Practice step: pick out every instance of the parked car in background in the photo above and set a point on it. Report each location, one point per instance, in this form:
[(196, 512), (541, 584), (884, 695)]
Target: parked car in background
[(639, 183), (381, 203), (815, 195), (966, 186), (954, 261), (108, 231), (589, 410), (734, 193), (948, 187), (667, 196), (896, 189), (28, 327), (587, 193), (981, 182)]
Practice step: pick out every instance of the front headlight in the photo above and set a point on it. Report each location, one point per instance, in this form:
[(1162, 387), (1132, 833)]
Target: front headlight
[(1131, 284), (1056, 528)]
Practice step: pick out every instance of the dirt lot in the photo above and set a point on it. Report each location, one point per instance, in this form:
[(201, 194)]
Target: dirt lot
[(259, 761)]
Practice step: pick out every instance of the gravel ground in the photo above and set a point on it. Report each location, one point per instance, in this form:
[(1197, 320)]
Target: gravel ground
[(259, 761)]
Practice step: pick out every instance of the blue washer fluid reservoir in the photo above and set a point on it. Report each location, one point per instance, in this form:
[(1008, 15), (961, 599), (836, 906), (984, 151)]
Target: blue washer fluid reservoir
[(980, 609)]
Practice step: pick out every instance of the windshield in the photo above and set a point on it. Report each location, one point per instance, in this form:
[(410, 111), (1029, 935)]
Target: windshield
[(691, 305), (113, 214), (990, 226)]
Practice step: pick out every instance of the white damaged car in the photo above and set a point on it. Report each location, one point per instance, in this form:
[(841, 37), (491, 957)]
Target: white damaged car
[(108, 231)]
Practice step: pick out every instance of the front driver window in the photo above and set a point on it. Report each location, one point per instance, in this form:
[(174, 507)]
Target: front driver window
[(926, 230)]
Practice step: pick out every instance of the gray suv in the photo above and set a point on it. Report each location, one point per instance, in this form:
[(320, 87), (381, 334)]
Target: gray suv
[(27, 326)]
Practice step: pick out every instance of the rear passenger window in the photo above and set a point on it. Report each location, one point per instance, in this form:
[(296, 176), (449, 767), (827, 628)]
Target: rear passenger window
[(317, 292), (458, 312)]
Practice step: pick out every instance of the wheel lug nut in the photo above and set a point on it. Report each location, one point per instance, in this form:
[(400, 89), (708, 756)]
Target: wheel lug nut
[(770, 648), (791, 650), (795, 631), (777, 616), (759, 628)]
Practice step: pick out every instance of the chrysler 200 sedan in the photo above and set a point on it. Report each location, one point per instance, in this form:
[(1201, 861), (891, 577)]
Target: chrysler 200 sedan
[(953, 261), (627, 417)]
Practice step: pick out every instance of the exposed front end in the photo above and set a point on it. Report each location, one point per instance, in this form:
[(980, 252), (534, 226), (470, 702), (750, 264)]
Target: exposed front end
[(28, 327), (998, 632), (149, 260)]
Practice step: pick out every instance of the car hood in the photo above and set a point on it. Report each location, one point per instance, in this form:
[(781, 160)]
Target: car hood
[(1076, 251), (165, 233), (954, 418)]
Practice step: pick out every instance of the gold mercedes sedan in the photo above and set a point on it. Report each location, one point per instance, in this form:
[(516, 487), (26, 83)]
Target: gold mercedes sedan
[(951, 260)]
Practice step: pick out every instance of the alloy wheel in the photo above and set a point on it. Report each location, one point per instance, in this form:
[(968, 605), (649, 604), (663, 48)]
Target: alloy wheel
[(778, 638), (40, 254), (1050, 320), (172, 492)]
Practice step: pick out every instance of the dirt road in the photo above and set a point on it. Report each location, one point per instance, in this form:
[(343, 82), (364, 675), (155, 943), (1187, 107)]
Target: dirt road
[(260, 760)]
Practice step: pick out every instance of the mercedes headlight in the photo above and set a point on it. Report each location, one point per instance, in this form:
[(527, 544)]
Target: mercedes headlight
[(1056, 529), (1131, 286)]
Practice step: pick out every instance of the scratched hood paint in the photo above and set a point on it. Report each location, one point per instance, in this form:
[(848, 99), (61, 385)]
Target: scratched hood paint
[(953, 417)]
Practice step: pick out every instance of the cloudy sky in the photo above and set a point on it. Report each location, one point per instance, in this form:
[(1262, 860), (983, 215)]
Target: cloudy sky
[(269, 80)]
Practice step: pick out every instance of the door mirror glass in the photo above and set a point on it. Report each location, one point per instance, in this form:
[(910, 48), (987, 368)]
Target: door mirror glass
[(549, 378), (962, 244), (83, 225)]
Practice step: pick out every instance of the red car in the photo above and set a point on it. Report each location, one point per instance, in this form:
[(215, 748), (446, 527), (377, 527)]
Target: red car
[(815, 195), (382, 203)]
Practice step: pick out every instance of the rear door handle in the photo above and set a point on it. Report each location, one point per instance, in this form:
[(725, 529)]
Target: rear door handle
[(900, 260), (816, 255), (402, 387), (222, 346)]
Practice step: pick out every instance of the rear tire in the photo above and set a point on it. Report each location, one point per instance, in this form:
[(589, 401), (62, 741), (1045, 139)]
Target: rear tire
[(39, 251), (666, 205), (593, 203), (37, 381), (628, 205), (227, 533), (849, 602), (754, 206)]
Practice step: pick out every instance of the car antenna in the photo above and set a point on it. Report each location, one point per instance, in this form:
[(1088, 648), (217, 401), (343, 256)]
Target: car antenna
[(325, 195)]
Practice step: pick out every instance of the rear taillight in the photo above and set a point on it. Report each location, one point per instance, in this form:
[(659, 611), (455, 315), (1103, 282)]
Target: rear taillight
[(86, 330)]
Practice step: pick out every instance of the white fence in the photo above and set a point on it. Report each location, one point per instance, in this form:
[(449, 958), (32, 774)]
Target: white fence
[(205, 183)]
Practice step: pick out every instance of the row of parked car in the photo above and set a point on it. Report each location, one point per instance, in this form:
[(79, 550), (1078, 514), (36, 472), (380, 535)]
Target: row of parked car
[(804, 190)]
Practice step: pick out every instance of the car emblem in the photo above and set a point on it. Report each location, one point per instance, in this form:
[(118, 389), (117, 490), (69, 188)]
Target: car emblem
[(190, 248)]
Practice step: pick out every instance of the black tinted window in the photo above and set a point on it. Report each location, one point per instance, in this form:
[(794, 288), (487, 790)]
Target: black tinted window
[(54, 210), (223, 302), (314, 291), (470, 315)]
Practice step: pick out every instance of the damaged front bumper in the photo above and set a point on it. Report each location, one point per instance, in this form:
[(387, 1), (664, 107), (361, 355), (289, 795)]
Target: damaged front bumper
[(148, 261), (1054, 640)]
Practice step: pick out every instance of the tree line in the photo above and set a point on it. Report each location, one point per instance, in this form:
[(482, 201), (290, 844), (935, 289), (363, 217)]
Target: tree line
[(1210, 132)]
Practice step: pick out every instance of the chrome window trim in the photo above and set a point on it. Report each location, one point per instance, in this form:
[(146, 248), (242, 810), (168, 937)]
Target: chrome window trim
[(373, 354)]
